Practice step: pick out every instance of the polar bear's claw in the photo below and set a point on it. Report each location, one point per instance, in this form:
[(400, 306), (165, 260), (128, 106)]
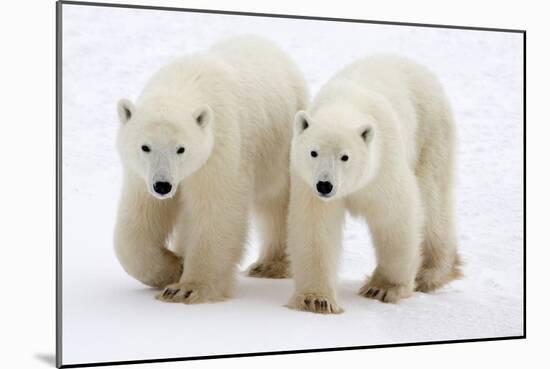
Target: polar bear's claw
[(189, 294), (379, 289), (315, 303), (170, 292)]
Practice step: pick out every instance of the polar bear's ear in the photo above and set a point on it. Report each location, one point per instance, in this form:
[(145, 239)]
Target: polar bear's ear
[(367, 133), (125, 110), (203, 116), (301, 122)]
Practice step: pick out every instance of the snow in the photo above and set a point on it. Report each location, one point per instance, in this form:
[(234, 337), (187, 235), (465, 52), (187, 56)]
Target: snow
[(109, 53)]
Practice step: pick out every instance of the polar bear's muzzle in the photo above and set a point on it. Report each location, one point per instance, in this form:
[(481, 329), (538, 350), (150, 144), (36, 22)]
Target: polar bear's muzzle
[(325, 179), (161, 180)]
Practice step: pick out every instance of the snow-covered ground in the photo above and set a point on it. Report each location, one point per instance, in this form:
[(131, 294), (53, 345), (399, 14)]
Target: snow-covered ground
[(109, 53)]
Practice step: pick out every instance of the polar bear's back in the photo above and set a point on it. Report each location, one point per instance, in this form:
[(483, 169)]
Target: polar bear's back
[(247, 71), (268, 81), (399, 80), (269, 89), (413, 91)]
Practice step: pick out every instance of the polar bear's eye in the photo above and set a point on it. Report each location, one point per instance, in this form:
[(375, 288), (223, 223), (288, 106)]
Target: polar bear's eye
[(181, 150), (313, 154), (344, 158), (145, 148)]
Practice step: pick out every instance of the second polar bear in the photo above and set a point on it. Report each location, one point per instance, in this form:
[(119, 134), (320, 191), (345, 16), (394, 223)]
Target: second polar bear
[(378, 141), (208, 137)]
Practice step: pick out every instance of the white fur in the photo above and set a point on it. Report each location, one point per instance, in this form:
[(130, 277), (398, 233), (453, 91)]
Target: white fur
[(391, 118), (231, 108)]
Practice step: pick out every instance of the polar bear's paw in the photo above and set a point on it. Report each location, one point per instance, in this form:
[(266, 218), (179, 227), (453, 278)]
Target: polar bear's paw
[(278, 269), (190, 293), (431, 279), (379, 289), (315, 303)]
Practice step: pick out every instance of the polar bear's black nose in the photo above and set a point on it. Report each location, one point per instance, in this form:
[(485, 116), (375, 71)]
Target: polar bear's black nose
[(162, 188), (324, 188)]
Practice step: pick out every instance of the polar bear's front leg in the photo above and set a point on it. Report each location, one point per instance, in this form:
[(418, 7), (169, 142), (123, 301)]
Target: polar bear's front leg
[(215, 245), (396, 233), (314, 245), (143, 226)]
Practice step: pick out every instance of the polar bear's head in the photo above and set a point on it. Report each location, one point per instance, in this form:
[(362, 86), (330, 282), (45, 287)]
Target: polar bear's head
[(334, 151), (164, 145)]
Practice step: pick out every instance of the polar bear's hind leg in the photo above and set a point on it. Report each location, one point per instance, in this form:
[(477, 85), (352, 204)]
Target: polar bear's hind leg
[(441, 263), (272, 217)]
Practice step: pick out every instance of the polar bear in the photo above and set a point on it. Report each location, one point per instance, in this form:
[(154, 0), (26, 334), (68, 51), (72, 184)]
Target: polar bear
[(378, 141), (208, 137)]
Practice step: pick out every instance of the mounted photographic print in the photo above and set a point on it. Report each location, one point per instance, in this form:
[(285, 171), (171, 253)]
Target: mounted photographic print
[(235, 184)]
